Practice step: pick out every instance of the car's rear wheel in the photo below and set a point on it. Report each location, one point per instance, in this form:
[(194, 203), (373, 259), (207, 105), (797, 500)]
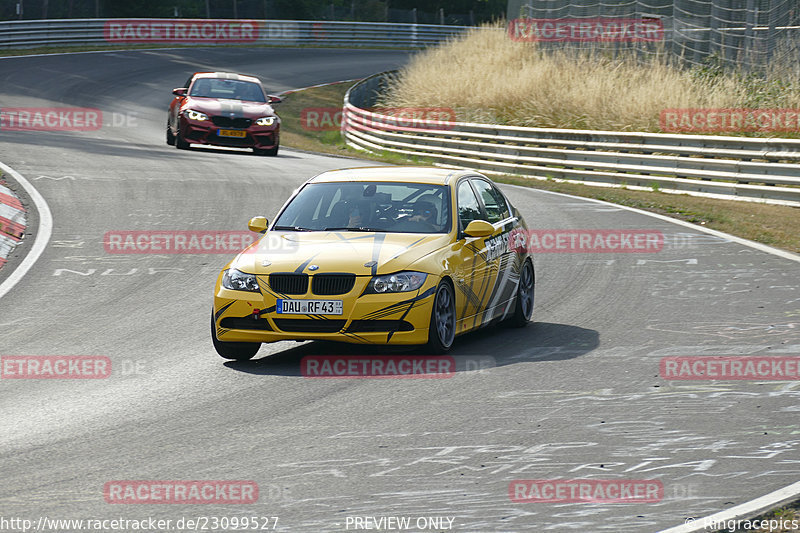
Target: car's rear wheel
[(241, 351), (523, 309), (180, 144), (442, 331), (269, 151)]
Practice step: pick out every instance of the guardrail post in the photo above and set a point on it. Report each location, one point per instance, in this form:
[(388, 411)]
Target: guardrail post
[(749, 40), (772, 32)]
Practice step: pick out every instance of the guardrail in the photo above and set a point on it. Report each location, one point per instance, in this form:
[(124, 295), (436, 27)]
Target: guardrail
[(733, 167), (77, 32)]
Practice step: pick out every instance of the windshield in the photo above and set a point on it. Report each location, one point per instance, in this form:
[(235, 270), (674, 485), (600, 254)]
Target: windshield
[(230, 89), (369, 206)]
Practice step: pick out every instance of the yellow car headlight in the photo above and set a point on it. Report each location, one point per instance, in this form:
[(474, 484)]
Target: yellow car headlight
[(239, 281), (266, 121), (399, 282)]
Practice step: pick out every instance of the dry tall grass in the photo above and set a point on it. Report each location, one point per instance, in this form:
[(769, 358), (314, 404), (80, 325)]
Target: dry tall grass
[(487, 77)]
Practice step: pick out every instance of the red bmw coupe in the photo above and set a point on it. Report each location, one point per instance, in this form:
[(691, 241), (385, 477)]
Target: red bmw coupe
[(224, 109)]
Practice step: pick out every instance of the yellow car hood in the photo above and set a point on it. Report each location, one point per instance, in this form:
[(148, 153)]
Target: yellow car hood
[(360, 253)]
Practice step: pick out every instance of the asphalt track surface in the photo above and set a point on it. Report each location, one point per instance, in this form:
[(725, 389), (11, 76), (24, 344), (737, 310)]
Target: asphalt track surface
[(577, 394)]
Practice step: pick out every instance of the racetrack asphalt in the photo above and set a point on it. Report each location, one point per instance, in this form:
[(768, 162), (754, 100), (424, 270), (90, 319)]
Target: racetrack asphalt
[(575, 395)]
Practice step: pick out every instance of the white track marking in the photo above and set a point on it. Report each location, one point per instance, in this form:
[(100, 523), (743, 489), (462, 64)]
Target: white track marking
[(43, 234), (740, 512)]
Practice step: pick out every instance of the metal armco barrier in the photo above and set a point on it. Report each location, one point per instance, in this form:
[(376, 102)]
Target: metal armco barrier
[(77, 32), (734, 167)]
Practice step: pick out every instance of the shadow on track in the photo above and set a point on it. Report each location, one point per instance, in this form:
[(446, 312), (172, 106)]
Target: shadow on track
[(200, 148), (489, 347), (112, 146)]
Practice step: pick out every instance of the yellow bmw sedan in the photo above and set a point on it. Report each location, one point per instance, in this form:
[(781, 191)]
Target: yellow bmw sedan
[(378, 255)]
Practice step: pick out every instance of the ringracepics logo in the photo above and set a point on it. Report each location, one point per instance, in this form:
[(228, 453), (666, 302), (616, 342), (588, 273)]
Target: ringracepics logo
[(586, 241), (348, 367), (55, 367), (384, 118), (50, 119), (177, 242), (185, 30), (729, 120), (585, 490), (760, 368), (586, 30), (180, 492)]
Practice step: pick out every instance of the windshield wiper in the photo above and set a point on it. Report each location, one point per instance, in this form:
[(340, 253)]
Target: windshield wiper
[(351, 228), (293, 228)]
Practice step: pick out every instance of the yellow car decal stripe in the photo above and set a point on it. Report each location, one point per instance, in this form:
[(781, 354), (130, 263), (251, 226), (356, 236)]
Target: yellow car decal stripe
[(404, 250), (299, 270), (268, 310), (223, 308), (394, 308), (376, 251)]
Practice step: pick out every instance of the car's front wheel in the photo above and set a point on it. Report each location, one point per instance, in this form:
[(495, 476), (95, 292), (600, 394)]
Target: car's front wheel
[(442, 331), (523, 309), (180, 144), (170, 136), (241, 351)]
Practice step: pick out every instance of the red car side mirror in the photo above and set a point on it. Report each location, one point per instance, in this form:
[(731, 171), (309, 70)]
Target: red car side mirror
[(179, 92)]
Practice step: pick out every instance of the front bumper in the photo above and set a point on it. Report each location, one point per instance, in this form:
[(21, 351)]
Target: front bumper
[(396, 318), (205, 132)]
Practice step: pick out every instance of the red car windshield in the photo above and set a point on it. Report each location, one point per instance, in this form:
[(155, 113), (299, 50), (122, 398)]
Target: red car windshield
[(229, 89)]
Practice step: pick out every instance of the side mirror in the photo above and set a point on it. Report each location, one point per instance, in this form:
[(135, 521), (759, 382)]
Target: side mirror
[(274, 99), (479, 228), (258, 224), (179, 92)]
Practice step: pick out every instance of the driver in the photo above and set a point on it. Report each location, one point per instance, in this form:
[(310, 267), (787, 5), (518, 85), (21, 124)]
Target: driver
[(424, 212), (358, 213)]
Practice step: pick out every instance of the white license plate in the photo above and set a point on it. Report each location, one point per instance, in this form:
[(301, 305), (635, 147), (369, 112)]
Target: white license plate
[(309, 307)]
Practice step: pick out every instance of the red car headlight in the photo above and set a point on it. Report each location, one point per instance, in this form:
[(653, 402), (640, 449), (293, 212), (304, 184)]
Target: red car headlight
[(196, 115)]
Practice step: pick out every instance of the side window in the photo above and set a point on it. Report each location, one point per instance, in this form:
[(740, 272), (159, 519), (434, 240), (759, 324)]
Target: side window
[(493, 201), (188, 82), (468, 207)]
